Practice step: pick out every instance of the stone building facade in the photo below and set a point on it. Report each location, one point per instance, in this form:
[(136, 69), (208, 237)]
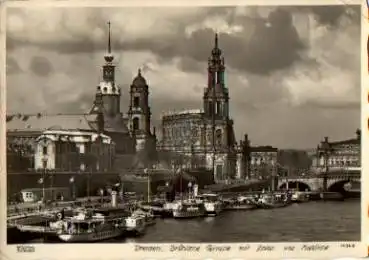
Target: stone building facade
[(344, 154), (204, 138), (256, 162), (104, 118), (73, 151)]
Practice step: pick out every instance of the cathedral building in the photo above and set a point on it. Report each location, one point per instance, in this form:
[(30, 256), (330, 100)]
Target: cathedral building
[(121, 137), (204, 138)]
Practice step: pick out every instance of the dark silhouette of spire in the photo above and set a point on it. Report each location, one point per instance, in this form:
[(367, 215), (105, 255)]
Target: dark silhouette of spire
[(109, 40), (109, 57), (216, 41)]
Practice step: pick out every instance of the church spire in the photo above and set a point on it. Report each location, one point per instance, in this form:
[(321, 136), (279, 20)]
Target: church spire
[(216, 41), (216, 53), (109, 57), (109, 43)]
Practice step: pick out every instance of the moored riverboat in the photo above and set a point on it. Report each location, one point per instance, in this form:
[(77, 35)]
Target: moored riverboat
[(213, 205), (90, 226), (300, 197), (148, 215), (239, 203), (135, 224), (271, 201), (189, 208), (158, 208)]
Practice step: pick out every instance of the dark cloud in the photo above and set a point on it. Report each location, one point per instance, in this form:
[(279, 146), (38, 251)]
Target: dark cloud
[(344, 105), (41, 66), (331, 15), (190, 65), (260, 99), (84, 100), (274, 45)]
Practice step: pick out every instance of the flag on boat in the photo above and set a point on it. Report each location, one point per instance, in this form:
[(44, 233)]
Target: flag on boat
[(71, 180), (41, 180), (117, 184)]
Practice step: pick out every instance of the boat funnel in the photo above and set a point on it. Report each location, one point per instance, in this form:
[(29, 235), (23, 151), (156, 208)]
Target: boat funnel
[(113, 198)]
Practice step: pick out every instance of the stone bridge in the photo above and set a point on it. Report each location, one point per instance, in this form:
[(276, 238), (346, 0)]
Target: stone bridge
[(314, 182)]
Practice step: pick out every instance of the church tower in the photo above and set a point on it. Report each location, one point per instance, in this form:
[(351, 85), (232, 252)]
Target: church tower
[(110, 92), (220, 138), (216, 96), (139, 114)]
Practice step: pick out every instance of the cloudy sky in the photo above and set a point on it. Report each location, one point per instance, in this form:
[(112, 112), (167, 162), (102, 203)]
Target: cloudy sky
[(293, 72)]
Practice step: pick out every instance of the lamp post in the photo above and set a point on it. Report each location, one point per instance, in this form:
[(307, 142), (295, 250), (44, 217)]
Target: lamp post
[(146, 171), (101, 192), (189, 189), (326, 150), (44, 160), (71, 181)]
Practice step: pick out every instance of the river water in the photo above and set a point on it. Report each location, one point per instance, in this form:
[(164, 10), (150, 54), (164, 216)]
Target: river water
[(312, 221), (307, 222)]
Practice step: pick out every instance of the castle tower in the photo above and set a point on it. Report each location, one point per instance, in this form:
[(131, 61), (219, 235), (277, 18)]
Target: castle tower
[(110, 92), (139, 114)]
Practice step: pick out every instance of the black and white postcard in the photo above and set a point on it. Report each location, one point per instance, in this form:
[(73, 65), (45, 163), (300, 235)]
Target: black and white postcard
[(204, 129)]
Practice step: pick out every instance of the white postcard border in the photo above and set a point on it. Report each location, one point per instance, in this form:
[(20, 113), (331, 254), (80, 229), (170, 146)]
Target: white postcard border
[(132, 251)]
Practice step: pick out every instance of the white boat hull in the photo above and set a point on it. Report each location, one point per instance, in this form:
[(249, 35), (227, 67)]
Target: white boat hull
[(240, 207), (92, 236), (187, 214), (135, 224), (212, 208)]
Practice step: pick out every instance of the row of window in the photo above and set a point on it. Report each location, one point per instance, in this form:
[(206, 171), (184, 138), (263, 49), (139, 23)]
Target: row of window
[(219, 108)]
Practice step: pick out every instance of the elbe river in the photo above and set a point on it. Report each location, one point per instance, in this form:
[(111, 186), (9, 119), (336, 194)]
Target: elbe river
[(306, 222)]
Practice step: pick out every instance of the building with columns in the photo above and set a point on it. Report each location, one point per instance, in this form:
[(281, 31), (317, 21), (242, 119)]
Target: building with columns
[(256, 162), (204, 138), (344, 154), (78, 151)]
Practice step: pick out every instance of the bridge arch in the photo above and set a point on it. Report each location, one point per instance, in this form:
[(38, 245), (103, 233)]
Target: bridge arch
[(339, 186), (301, 186)]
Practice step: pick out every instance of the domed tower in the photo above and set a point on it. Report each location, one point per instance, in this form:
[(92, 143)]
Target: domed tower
[(139, 114), (110, 92)]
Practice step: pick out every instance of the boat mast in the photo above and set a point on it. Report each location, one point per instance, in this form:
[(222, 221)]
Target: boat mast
[(148, 184), (181, 184)]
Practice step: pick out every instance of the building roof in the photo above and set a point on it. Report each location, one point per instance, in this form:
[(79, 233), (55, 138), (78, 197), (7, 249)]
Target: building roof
[(186, 112), (139, 81), (348, 141), (66, 122), (42, 122), (266, 148), (115, 124)]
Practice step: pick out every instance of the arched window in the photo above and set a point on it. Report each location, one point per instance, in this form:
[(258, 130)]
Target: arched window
[(211, 108), (218, 136), (136, 101), (218, 108), (136, 124)]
